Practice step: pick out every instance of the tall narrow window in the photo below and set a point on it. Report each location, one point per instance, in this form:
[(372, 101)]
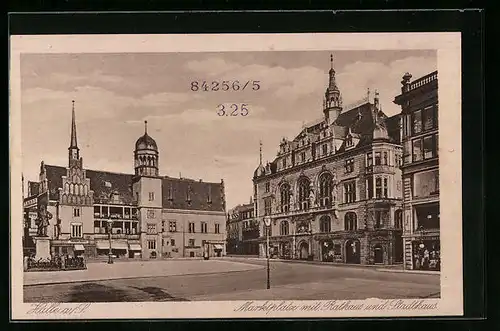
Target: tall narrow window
[(378, 187), (217, 228), (268, 187), (151, 196), (385, 188), (325, 224), (385, 159), (304, 189), (350, 192), (204, 227), (325, 189), (369, 159), (324, 149), (417, 150), (76, 230), (349, 165), (285, 197), (76, 212), (417, 122), (191, 227), (267, 207), (284, 228), (378, 158), (350, 221), (369, 187)]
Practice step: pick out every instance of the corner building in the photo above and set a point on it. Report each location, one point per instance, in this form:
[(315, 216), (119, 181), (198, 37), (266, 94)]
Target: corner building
[(420, 135), (146, 215), (334, 192), (242, 230)]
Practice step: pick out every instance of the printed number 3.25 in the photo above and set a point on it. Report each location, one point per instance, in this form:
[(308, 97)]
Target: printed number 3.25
[(233, 110)]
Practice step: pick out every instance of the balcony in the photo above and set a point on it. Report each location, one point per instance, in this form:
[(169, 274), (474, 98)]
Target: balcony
[(286, 212), (117, 236)]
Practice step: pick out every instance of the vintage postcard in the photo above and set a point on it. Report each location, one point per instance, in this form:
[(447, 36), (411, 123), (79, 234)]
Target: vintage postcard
[(235, 176)]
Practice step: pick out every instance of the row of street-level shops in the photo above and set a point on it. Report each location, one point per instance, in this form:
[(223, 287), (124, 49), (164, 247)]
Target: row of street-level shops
[(124, 249), (350, 247)]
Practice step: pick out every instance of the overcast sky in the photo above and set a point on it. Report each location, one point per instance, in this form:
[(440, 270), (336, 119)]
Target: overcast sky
[(115, 93)]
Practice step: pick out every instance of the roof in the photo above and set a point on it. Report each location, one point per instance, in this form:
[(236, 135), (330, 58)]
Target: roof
[(145, 142), (103, 183)]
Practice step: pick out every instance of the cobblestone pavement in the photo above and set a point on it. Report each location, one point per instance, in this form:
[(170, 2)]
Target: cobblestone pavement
[(230, 279)]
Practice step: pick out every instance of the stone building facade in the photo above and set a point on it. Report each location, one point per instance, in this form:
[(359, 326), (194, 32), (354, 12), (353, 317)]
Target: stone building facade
[(242, 230), (146, 215), (420, 135), (334, 192)]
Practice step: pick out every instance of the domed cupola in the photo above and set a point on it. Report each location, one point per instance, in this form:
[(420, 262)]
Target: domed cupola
[(260, 170), (146, 155)]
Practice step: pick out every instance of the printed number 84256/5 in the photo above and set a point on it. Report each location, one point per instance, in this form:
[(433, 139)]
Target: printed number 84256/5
[(232, 110)]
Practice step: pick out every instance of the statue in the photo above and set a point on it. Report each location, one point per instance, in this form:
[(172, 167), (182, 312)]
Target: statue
[(43, 221), (292, 201), (312, 198)]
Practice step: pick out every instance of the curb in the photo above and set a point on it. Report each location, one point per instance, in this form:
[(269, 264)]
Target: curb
[(421, 272)]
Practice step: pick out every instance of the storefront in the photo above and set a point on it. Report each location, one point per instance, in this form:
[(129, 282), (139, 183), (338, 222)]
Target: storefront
[(427, 254)]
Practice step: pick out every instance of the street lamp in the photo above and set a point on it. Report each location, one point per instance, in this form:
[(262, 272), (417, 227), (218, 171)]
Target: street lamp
[(110, 253), (267, 222)]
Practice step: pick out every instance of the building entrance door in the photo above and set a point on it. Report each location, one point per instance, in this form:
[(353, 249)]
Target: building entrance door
[(352, 248), (379, 254), (304, 250)]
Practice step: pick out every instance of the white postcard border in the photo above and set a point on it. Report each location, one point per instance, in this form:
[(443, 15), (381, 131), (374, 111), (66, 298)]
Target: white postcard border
[(448, 46)]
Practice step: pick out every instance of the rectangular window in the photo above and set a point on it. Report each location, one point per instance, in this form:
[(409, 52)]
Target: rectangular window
[(369, 187), (217, 228), (429, 147), (303, 157), (378, 187), (350, 192), (417, 122), (325, 149), (267, 207), (417, 150), (349, 165), (76, 230), (162, 226), (204, 227), (150, 213), (151, 244), (151, 228), (151, 196), (172, 242), (191, 227), (426, 183), (369, 159), (378, 158), (162, 241), (172, 226), (284, 162), (429, 118), (76, 212), (385, 159), (191, 243), (268, 187), (385, 190)]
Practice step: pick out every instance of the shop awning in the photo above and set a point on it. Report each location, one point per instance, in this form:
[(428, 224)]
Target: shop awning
[(216, 246), (134, 247), (79, 247), (102, 244), (119, 245)]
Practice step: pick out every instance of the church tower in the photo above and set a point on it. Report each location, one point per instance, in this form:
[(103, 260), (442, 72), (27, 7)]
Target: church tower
[(76, 199), (332, 105), (146, 155)]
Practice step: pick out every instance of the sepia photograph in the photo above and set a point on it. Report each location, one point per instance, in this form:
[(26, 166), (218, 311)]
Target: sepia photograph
[(267, 178)]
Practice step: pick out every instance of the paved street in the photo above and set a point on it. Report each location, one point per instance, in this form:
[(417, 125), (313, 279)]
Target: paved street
[(226, 279)]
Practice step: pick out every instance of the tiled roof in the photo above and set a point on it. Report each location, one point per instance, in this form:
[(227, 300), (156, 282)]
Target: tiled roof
[(103, 183), (189, 194)]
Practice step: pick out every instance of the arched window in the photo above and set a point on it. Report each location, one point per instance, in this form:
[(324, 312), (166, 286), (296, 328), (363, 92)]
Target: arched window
[(285, 197), (304, 188), (72, 188), (325, 189), (284, 228), (350, 221), (325, 224), (66, 187), (84, 189), (398, 219)]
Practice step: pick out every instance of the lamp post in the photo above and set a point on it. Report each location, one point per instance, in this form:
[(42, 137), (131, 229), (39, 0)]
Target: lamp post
[(110, 253), (267, 222)]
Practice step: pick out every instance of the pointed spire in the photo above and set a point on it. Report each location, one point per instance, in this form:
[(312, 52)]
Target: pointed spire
[(260, 152), (73, 143), (331, 61), (368, 95), (145, 127)]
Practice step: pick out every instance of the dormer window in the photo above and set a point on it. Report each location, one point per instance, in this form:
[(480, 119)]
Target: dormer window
[(348, 141)]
